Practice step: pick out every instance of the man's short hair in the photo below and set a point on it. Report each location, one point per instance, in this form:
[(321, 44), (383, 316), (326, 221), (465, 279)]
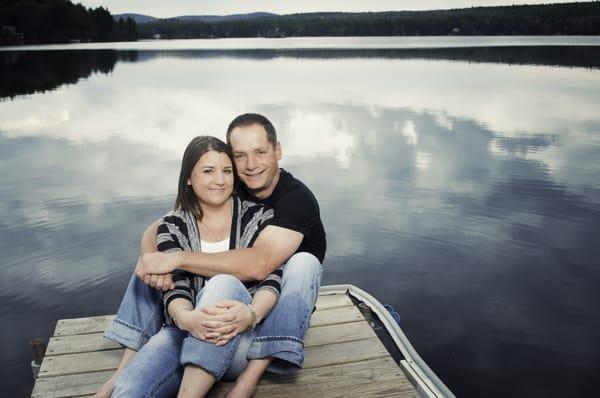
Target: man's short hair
[(248, 119)]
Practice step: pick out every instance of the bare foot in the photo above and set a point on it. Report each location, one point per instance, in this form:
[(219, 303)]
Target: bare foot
[(242, 389), (106, 390)]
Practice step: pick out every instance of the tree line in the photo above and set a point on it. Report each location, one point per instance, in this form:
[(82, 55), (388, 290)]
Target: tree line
[(29, 72), (60, 21), (549, 19), (56, 21)]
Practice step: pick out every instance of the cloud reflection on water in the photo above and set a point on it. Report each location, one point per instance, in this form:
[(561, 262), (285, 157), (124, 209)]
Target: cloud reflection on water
[(195, 96)]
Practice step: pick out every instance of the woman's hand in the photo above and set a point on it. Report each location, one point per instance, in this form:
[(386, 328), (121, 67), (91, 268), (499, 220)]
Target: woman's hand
[(240, 320), (205, 326)]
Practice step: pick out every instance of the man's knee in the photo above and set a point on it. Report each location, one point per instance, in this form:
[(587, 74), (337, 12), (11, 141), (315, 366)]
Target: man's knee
[(302, 263), (302, 269)]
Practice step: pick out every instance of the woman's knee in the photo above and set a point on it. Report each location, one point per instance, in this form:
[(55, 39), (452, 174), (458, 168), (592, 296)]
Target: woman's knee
[(223, 282), (221, 287)]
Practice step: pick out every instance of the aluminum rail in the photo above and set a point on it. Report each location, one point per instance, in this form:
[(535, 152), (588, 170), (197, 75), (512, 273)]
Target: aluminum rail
[(426, 381)]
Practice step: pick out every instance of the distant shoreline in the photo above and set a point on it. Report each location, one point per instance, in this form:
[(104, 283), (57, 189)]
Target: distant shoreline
[(564, 19), (548, 19), (322, 43)]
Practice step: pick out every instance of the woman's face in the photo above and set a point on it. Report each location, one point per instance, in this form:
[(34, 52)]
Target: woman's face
[(212, 178)]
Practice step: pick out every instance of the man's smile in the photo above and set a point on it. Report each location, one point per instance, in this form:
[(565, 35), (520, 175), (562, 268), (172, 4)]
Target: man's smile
[(254, 175)]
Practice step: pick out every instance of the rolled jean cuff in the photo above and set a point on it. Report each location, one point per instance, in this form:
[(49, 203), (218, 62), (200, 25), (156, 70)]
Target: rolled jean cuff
[(287, 352), (213, 359), (126, 335)]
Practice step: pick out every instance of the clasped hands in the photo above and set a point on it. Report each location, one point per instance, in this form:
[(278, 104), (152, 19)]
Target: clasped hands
[(215, 323), (155, 269)]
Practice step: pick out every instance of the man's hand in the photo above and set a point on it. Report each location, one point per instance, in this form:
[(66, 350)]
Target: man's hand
[(156, 263), (160, 282), (157, 281)]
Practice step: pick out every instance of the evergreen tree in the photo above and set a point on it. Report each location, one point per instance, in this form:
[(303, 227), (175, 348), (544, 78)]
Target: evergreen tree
[(59, 21)]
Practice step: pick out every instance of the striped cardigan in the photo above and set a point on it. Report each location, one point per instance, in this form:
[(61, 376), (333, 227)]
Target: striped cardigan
[(178, 231)]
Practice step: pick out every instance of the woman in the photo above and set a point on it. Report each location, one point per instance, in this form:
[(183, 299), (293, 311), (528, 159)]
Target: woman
[(189, 353)]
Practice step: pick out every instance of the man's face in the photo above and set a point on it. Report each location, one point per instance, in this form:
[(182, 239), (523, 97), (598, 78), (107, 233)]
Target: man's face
[(257, 161)]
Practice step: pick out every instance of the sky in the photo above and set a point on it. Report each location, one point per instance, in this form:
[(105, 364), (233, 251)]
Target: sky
[(172, 8)]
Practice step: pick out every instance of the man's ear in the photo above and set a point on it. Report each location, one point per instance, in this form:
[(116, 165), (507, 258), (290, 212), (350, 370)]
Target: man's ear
[(278, 151)]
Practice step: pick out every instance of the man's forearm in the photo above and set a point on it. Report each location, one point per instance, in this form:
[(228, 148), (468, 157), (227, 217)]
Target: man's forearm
[(245, 264), (273, 247)]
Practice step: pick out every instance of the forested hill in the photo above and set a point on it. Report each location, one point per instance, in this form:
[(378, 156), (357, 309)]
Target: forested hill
[(56, 21), (551, 19), (59, 21)]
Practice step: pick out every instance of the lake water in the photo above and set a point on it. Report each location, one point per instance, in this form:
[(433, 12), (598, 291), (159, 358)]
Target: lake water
[(458, 179)]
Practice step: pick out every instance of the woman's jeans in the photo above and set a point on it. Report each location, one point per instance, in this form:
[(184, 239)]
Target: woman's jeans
[(157, 368), (162, 350)]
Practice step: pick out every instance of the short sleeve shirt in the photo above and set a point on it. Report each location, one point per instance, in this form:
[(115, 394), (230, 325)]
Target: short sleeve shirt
[(296, 208)]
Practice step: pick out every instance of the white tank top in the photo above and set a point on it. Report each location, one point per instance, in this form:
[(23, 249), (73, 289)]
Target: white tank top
[(214, 247)]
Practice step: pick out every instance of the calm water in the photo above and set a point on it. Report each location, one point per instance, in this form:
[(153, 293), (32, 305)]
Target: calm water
[(462, 186)]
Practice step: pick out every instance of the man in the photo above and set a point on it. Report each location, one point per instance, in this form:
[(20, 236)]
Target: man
[(296, 237)]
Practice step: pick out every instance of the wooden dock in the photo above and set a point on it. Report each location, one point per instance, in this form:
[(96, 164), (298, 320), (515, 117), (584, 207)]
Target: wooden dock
[(343, 358)]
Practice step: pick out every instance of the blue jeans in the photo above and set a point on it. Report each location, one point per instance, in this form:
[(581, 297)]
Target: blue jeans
[(280, 335), (156, 370)]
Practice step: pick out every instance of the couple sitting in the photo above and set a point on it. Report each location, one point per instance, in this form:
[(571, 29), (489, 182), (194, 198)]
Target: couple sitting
[(230, 291)]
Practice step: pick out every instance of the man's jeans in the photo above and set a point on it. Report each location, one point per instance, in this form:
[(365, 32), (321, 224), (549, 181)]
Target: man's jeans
[(280, 335)]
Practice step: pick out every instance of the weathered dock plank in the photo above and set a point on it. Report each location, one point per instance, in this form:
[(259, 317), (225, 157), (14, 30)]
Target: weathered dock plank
[(343, 357), (366, 378), (327, 301), (79, 343), (80, 363), (335, 354), (330, 334), (95, 324), (321, 335), (70, 385), (316, 356), (336, 316)]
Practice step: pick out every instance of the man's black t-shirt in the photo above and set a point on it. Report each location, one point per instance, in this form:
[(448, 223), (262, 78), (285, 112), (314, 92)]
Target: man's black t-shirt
[(296, 208)]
